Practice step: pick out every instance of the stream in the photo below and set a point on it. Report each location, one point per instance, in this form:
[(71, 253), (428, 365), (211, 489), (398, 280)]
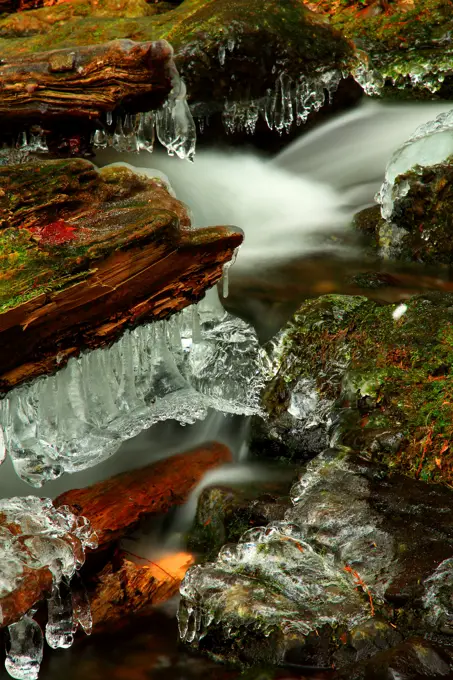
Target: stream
[(294, 210)]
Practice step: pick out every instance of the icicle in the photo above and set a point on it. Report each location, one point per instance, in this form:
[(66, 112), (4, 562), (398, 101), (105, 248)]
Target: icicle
[(222, 53), (201, 124), (196, 328), (22, 142), (80, 606), (118, 141), (231, 44), (24, 649), (174, 123), (129, 131), (145, 132), (109, 118), (100, 139), (60, 626), (225, 271), (38, 142)]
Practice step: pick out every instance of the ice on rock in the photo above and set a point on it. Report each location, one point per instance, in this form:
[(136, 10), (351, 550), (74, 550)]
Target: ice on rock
[(167, 369), (43, 536), (24, 649), (430, 144), (289, 100), (291, 575), (437, 599)]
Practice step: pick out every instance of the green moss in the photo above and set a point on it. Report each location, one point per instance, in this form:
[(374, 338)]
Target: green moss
[(392, 380)]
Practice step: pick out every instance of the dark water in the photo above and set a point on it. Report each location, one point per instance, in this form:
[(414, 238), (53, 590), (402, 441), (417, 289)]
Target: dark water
[(147, 649)]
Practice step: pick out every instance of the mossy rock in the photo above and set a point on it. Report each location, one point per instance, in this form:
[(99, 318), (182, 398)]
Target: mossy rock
[(405, 46), (390, 378), (224, 514), (423, 215), (256, 38)]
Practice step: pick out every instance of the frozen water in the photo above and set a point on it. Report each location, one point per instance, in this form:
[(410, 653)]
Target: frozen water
[(35, 535), (290, 100), (43, 537), (24, 649), (178, 368), (430, 144), (291, 575)]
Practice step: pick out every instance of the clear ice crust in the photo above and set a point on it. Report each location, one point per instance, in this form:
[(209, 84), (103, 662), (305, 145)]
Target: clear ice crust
[(35, 535), (200, 358)]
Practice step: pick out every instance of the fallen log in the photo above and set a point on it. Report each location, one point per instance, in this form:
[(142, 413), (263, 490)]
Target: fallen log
[(114, 508), (81, 83), (86, 254), (116, 505), (131, 588)]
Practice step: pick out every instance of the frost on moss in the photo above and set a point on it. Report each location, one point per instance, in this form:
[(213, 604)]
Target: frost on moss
[(391, 378)]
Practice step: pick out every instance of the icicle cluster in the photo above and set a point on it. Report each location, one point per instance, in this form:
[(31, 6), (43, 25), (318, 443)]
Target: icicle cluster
[(34, 534), (289, 101), (404, 73), (178, 368), (173, 124)]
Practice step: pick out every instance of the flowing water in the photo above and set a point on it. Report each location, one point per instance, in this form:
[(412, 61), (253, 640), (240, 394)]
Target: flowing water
[(289, 208)]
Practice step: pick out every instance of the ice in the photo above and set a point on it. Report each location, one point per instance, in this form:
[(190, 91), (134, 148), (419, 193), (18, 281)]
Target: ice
[(60, 624), (35, 535), (173, 124), (291, 575), (167, 369), (24, 649), (289, 100), (437, 599), (430, 144)]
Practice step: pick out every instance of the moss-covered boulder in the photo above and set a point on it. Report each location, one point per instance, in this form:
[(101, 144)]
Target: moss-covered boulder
[(404, 48), (226, 50), (388, 371)]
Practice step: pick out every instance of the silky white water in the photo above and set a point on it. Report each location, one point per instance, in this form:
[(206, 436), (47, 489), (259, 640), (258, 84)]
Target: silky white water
[(289, 205)]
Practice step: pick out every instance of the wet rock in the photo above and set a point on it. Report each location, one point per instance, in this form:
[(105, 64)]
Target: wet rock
[(79, 85), (224, 514), (70, 235), (218, 49), (286, 439), (386, 369), (412, 660), (361, 561), (403, 47)]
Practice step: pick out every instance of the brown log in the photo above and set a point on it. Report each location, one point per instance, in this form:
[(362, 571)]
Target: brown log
[(131, 258), (34, 586), (82, 83), (131, 588), (116, 505)]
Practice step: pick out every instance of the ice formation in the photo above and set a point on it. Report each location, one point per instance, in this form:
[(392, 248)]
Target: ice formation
[(296, 575), (404, 71), (173, 124), (177, 368), (291, 100), (430, 144), (35, 535)]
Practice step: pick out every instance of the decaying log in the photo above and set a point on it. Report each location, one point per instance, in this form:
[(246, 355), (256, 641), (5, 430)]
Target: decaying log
[(82, 83), (85, 254), (116, 505), (131, 588), (35, 585)]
